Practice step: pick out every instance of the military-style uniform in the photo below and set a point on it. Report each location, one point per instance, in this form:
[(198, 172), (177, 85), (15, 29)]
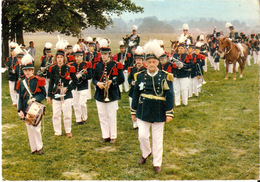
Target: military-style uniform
[(256, 49), (81, 91), (127, 62), (61, 75), (36, 87), (135, 39), (19, 76), (10, 63), (45, 62), (181, 81), (131, 81), (152, 102), (107, 110), (70, 58), (204, 51)]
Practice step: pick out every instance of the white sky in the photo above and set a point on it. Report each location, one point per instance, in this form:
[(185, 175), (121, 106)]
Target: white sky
[(227, 10)]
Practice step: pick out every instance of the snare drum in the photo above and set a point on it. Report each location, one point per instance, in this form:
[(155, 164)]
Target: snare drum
[(34, 113)]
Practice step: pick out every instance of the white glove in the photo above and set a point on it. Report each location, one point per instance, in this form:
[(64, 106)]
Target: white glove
[(125, 71), (31, 100), (179, 64)]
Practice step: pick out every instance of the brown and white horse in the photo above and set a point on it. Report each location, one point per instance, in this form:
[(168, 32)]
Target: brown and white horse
[(232, 54), (174, 46)]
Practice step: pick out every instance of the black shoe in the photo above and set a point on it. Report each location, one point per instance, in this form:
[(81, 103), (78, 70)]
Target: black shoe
[(81, 122), (135, 128), (39, 152), (113, 140), (33, 152), (142, 159), (104, 140)]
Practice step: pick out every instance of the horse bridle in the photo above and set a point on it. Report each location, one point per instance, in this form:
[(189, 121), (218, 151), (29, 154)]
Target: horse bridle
[(229, 49)]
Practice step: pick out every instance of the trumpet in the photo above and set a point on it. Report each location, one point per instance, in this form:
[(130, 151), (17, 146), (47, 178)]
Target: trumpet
[(79, 74), (106, 87), (45, 70)]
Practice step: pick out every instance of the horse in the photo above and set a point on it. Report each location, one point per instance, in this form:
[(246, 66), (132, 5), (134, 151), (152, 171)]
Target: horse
[(232, 55), (174, 46)]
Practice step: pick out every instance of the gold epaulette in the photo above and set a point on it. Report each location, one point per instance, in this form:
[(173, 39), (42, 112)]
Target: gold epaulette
[(169, 76), (135, 75)]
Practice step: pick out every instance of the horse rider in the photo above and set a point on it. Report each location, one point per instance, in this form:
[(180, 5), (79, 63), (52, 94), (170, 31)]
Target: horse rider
[(185, 36), (134, 37), (233, 35)]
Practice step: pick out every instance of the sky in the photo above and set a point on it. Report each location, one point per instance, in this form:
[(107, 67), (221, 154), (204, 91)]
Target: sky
[(225, 10)]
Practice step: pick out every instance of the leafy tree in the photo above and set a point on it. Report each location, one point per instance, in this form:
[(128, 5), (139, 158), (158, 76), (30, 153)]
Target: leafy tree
[(68, 17)]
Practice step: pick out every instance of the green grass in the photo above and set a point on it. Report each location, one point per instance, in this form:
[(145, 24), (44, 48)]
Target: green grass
[(215, 137)]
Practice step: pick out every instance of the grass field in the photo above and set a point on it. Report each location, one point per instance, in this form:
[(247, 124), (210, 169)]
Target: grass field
[(215, 137)]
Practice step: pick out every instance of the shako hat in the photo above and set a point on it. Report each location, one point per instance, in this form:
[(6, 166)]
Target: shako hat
[(121, 44), (60, 46), (134, 27), (139, 53), (152, 49), (104, 46), (18, 52), (48, 46), (185, 26), (77, 50), (27, 61), (13, 45)]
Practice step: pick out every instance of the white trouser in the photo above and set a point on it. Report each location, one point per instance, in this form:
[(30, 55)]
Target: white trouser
[(46, 86), (157, 140), (135, 125), (89, 90), (126, 84), (241, 48), (181, 90), (216, 66), (210, 59), (35, 137), (190, 86), (255, 57), (13, 92), (57, 107), (17, 99), (107, 113), (248, 60), (230, 68), (195, 84), (80, 104), (205, 68)]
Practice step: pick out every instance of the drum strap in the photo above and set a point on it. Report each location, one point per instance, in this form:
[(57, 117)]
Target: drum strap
[(26, 86)]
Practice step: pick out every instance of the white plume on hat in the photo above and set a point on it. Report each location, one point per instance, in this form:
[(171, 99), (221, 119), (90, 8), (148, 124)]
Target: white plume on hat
[(76, 48), (160, 42), (121, 42), (18, 50), (103, 43), (89, 39), (98, 39), (48, 45), (61, 44), (134, 27), (27, 59), (228, 24), (139, 50), (185, 26), (153, 47), (201, 37), (13, 44)]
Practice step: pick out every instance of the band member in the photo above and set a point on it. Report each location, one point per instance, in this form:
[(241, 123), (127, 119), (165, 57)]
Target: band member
[(107, 76), (18, 67), (139, 66), (127, 59), (199, 62), (46, 62), (10, 62), (181, 71), (70, 57), (35, 85), (152, 104), (256, 49), (93, 57), (135, 38), (204, 51), (80, 94), (192, 71), (62, 82)]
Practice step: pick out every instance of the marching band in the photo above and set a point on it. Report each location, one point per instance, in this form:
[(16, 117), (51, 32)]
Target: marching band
[(155, 80)]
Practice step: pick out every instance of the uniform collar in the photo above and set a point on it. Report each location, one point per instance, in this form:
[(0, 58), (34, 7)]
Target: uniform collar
[(152, 74)]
